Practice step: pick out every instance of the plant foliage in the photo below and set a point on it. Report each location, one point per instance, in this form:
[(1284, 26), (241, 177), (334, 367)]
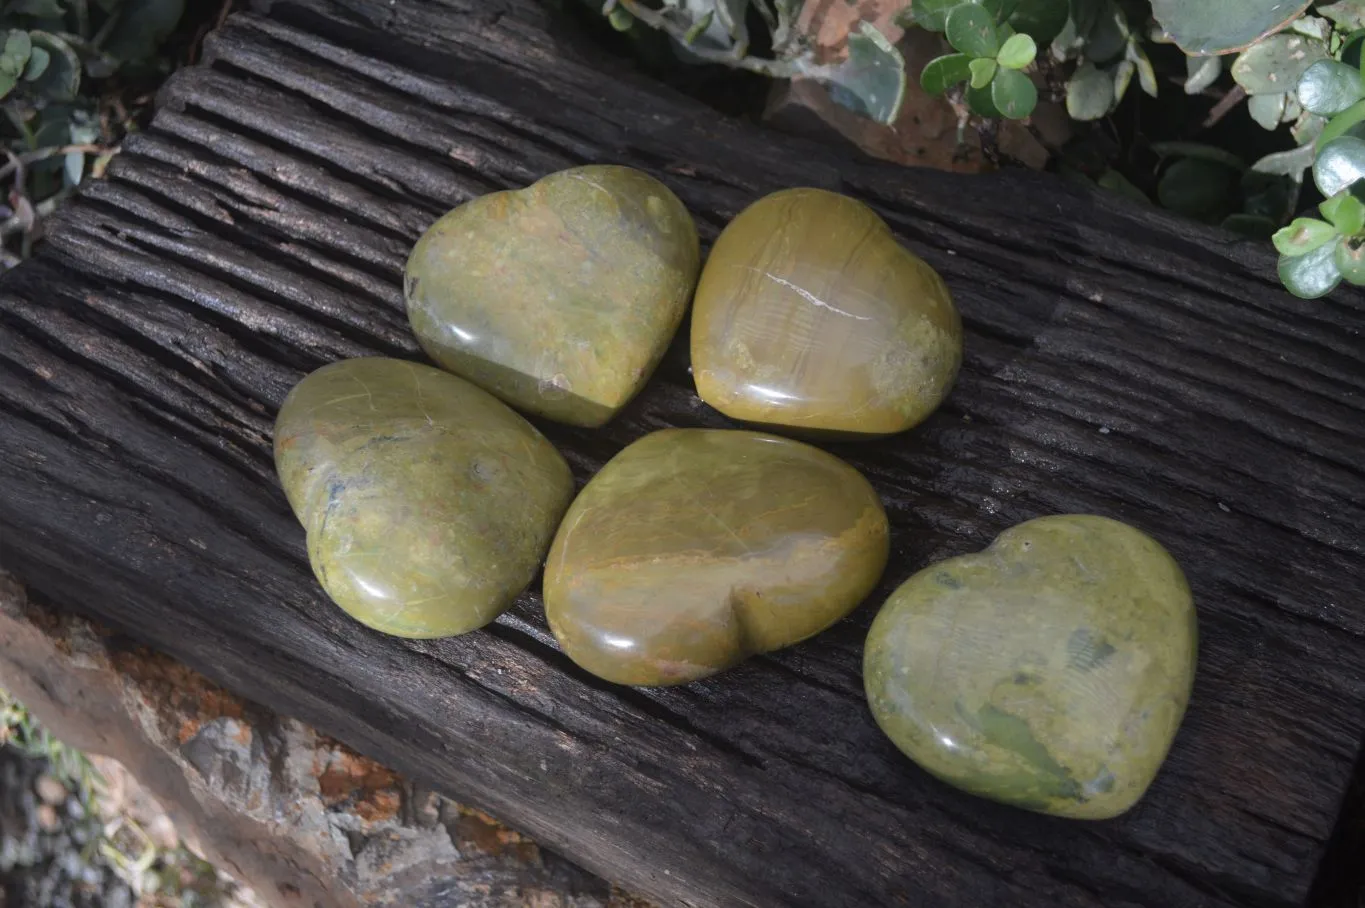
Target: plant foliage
[(61, 64)]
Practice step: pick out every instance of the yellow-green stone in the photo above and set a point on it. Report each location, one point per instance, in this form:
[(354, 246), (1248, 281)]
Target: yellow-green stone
[(559, 298), (1049, 671), (811, 316), (694, 548), (428, 503)]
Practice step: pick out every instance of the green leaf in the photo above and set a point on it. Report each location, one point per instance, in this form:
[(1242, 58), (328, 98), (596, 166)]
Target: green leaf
[(983, 70), (930, 14), (971, 30), (37, 64), (60, 80), (1273, 66), (1267, 109), (1146, 75), (1343, 123), (942, 73), (1198, 189), (1328, 87), (1339, 164), (1314, 27), (621, 19), (871, 81), (18, 47), (1252, 226), (1345, 211), (1123, 77), (1302, 236), (1203, 27), (1114, 181), (1346, 14), (1041, 20), (1313, 275), (1017, 52), (7, 83), (1109, 36), (980, 103), (1350, 261), (1200, 151), (1013, 94), (1090, 93), (1291, 163), (143, 26), (1307, 128), (1201, 72)]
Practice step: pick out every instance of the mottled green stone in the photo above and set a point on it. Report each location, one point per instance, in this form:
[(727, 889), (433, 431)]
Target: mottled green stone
[(428, 503), (559, 298), (811, 316), (1049, 671), (694, 548)]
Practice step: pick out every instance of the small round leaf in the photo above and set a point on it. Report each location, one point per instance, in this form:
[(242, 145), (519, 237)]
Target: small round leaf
[(931, 14), (1041, 20), (1312, 275), (1201, 72), (1346, 212), (1339, 164), (942, 73), (1273, 66), (1328, 87), (1220, 26), (60, 80), (1302, 236), (1017, 52), (37, 64), (1267, 109), (1350, 261), (971, 30), (980, 103), (983, 70), (1198, 189), (1013, 94), (1090, 93)]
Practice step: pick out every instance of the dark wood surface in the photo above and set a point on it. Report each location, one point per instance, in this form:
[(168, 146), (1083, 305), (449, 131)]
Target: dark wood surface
[(1118, 361)]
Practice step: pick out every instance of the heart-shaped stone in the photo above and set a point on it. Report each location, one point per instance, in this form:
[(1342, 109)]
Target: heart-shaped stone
[(429, 503), (811, 316), (1049, 671), (559, 298), (694, 548)]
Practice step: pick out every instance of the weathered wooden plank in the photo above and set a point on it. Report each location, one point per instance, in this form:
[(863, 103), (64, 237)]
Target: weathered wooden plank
[(1119, 362)]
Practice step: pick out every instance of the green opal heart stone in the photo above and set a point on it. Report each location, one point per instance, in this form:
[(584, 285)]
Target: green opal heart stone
[(695, 548), (1049, 671), (428, 503), (559, 298)]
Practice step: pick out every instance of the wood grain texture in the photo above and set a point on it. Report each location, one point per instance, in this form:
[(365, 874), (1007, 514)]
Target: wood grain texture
[(1118, 362)]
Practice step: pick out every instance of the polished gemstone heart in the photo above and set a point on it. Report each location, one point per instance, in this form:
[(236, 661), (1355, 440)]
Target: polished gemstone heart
[(694, 548), (1049, 671), (559, 298), (810, 316), (428, 503)]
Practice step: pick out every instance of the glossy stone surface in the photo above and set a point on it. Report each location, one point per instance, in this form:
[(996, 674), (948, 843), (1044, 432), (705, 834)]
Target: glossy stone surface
[(809, 315), (694, 548), (559, 298), (428, 502), (1049, 671)]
